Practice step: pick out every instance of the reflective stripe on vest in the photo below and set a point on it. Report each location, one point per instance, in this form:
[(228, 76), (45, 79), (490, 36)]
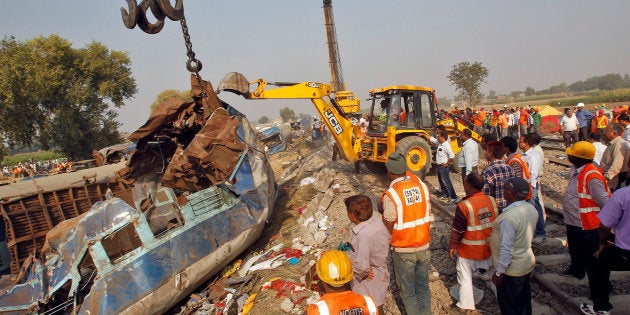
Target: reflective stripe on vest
[(322, 307), (587, 206), (400, 224), (480, 211)]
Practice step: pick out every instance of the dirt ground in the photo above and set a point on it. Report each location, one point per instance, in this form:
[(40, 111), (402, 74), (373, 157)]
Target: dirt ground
[(285, 289)]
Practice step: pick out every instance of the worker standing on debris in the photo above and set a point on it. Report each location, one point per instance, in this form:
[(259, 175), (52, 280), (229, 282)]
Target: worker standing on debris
[(584, 119), (443, 158), (610, 255), (534, 163), (469, 156), (615, 157), (407, 216), (586, 193), (569, 125), (334, 269), (472, 225), (512, 253), (515, 160), (370, 247), (495, 174)]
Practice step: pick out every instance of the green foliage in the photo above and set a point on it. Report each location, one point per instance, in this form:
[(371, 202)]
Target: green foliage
[(166, 94), (529, 91), (33, 156), (492, 95), (263, 120), (60, 96), (621, 95), (287, 114), (467, 79)]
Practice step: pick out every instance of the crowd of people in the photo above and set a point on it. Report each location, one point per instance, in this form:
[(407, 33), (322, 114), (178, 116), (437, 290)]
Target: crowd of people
[(495, 224), (30, 168)]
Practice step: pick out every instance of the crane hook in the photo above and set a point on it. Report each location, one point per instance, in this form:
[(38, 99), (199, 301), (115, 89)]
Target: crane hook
[(129, 19)]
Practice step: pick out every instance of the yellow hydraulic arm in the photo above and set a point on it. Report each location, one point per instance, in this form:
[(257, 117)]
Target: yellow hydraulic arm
[(319, 93)]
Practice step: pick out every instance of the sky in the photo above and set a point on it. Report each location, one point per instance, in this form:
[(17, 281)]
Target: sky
[(534, 43)]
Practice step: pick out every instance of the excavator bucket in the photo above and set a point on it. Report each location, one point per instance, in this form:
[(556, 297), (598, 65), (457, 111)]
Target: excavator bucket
[(234, 82)]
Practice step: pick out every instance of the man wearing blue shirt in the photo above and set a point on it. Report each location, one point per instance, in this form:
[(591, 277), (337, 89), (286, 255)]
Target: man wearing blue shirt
[(584, 117)]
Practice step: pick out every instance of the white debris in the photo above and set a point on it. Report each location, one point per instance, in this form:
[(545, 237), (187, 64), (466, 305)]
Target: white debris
[(307, 181)]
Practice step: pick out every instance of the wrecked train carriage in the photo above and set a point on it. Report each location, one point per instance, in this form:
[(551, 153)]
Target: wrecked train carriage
[(145, 257)]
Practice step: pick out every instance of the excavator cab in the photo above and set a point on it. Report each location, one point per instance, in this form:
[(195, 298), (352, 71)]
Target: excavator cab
[(403, 109)]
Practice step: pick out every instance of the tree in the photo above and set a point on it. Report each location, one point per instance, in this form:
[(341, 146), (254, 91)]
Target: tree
[(516, 94), (263, 120), (492, 95), (467, 79), (58, 95), (529, 91), (287, 114), (166, 94)]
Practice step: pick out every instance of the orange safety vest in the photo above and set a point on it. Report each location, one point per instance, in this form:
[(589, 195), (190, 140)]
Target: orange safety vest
[(517, 158), (588, 207), (413, 212), (480, 211), (494, 120), (346, 302), (602, 122), (522, 119)]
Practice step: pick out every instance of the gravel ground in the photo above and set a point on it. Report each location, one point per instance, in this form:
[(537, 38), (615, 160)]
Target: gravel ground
[(283, 229)]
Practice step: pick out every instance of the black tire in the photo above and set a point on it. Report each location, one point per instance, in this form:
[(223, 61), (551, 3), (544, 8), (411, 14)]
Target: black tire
[(418, 154)]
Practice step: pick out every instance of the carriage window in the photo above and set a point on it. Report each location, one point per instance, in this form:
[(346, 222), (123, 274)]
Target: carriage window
[(121, 242)]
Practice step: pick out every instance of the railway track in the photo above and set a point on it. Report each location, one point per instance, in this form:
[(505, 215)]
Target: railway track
[(553, 293)]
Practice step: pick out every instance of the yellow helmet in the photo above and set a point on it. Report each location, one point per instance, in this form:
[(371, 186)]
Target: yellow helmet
[(582, 149), (334, 267)]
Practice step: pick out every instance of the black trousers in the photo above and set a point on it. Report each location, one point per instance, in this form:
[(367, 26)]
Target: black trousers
[(515, 295), (611, 258), (570, 137), (582, 246)]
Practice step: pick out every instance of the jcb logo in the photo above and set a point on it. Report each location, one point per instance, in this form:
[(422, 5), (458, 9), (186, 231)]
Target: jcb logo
[(312, 85), (333, 122)]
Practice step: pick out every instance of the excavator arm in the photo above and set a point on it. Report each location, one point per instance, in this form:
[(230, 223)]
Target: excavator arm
[(331, 113)]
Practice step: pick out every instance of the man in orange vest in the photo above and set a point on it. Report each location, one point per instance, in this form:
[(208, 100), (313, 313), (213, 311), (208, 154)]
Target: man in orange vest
[(334, 269), (516, 161), (601, 121), (472, 226), (586, 193), (407, 216)]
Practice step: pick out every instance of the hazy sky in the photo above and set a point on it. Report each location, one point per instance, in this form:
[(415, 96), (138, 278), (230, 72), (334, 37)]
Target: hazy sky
[(535, 43)]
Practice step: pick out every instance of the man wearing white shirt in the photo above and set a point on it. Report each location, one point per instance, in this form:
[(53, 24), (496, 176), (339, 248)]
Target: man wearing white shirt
[(534, 162), (469, 156), (569, 126), (443, 158), (596, 138)]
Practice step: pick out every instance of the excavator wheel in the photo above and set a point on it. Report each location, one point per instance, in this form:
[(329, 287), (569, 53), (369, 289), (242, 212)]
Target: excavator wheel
[(417, 152)]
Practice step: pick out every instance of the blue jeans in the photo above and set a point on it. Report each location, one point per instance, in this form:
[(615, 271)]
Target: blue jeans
[(412, 276), (535, 201), (444, 177)]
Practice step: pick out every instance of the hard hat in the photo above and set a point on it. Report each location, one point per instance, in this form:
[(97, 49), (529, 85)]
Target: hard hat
[(580, 105), (624, 107), (582, 149), (616, 110), (601, 112), (334, 267)]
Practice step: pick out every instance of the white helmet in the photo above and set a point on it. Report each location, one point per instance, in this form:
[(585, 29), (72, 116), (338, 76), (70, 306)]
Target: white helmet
[(580, 105)]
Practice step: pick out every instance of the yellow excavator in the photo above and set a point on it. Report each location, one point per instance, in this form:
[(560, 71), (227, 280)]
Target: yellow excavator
[(400, 119)]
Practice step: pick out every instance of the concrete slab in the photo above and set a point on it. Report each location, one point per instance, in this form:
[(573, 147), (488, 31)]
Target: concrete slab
[(540, 309), (556, 259)]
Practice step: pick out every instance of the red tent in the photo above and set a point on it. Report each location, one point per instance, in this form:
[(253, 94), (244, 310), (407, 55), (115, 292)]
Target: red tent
[(550, 119)]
